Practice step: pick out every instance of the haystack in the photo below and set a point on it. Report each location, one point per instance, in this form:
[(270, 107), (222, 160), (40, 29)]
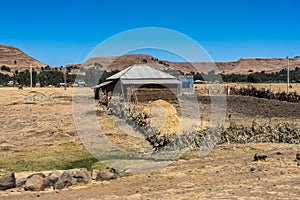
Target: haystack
[(163, 116)]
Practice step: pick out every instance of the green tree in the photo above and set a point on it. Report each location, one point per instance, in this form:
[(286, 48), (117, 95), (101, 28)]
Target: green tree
[(4, 78), (4, 68), (50, 77), (23, 78)]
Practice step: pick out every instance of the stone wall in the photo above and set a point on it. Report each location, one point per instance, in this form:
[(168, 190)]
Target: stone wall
[(207, 137)]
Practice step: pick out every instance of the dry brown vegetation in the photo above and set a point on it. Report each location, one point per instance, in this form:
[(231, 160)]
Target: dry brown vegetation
[(38, 133)]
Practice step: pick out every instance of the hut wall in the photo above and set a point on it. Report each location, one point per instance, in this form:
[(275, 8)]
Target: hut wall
[(152, 94)]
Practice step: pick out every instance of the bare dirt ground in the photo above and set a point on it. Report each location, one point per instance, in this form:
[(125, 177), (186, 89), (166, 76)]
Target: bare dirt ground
[(38, 128), (224, 174)]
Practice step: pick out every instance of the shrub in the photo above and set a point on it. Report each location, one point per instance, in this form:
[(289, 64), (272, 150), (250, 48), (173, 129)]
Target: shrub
[(4, 68)]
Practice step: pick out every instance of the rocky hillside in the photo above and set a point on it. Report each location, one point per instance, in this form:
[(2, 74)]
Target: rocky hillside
[(269, 65), (242, 66), (14, 58)]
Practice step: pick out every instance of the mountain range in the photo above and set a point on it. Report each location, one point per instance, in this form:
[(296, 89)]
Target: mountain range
[(15, 58)]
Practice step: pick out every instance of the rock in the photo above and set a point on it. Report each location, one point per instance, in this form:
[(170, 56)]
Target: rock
[(36, 183), (258, 157), (21, 182), (53, 177), (105, 175), (65, 180), (116, 171), (7, 181), (82, 176), (37, 174), (94, 173)]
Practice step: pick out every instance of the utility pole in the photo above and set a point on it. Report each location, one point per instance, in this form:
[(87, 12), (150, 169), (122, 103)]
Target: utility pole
[(65, 78), (288, 75), (30, 76)]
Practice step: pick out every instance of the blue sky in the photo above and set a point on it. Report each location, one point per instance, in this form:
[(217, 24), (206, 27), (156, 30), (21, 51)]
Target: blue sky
[(62, 32)]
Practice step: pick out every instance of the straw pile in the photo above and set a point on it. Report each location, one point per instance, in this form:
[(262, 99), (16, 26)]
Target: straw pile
[(163, 116)]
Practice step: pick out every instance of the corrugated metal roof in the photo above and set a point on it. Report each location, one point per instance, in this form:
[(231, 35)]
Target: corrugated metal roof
[(102, 84), (119, 74), (149, 81), (141, 72)]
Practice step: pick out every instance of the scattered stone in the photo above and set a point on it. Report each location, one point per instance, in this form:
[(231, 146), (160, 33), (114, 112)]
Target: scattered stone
[(53, 177), (21, 182), (117, 172), (105, 175), (65, 180), (260, 157), (82, 176), (252, 169), (7, 181), (94, 173), (36, 183), (37, 174)]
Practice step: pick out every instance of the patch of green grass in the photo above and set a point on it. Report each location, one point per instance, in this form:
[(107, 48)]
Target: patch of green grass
[(67, 155), (98, 165), (127, 174)]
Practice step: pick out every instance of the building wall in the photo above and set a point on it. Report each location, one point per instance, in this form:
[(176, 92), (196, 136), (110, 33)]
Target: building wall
[(152, 94), (187, 85)]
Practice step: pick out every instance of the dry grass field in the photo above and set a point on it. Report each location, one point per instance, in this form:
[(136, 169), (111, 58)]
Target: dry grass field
[(274, 87), (38, 133)]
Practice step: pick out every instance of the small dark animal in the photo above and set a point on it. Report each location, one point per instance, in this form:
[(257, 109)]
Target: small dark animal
[(258, 157), (20, 87), (298, 158)]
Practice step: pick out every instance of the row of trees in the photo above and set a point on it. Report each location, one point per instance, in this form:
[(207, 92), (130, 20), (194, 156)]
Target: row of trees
[(55, 77), (96, 76), (50, 76), (45, 78), (4, 78)]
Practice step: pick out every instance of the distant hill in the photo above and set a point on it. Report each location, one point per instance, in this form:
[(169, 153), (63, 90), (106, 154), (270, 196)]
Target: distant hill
[(14, 58), (247, 65), (241, 66)]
